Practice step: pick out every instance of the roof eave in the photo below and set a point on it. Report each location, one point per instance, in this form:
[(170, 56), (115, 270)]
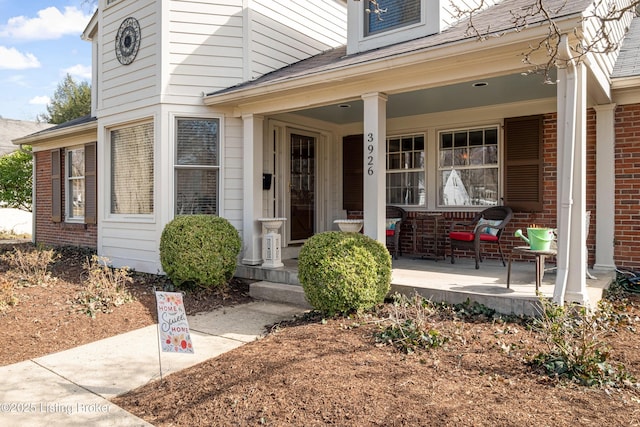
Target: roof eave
[(91, 28), (48, 135), (457, 48), (625, 82)]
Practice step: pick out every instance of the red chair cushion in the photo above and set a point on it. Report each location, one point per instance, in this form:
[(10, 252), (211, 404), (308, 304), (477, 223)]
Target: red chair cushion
[(391, 232), (467, 236), (488, 237)]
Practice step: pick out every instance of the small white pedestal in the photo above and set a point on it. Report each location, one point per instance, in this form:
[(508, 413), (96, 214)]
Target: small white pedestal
[(272, 242)]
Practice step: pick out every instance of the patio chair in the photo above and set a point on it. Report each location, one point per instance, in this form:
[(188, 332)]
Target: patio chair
[(395, 218), (486, 227)]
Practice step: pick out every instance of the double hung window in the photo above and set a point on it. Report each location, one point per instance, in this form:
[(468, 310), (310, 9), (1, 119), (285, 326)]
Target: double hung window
[(75, 190), (197, 166), (468, 167), (405, 170), (132, 170)]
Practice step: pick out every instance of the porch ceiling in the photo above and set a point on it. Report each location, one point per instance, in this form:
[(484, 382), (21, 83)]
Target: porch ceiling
[(498, 90)]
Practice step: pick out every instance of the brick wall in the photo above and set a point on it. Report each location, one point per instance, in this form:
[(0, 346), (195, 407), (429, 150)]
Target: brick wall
[(627, 191), (47, 231)]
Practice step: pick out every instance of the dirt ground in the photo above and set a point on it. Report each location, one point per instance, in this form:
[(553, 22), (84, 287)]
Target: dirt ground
[(314, 372), (45, 321)]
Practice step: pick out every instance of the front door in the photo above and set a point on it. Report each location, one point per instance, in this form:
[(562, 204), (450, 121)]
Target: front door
[(302, 187)]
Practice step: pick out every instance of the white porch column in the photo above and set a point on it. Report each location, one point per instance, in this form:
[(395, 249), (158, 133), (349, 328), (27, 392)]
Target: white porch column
[(375, 136), (605, 184), (572, 263), (253, 140)]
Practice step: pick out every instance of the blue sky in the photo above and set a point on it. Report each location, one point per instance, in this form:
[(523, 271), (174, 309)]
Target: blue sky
[(40, 43)]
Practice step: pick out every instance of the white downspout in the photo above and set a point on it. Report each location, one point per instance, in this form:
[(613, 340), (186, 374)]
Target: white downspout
[(567, 87)]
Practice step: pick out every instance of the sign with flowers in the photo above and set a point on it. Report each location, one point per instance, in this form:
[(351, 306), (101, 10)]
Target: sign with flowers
[(173, 327)]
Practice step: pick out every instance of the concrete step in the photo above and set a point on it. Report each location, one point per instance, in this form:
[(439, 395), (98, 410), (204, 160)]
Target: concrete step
[(279, 292), (277, 275)]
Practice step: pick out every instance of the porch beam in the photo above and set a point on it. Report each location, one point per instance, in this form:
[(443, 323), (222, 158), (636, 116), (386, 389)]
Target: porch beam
[(605, 185), (253, 141), (375, 136)]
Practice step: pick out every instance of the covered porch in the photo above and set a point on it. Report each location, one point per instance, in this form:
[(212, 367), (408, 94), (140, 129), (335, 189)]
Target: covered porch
[(394, 124), (439, 281)]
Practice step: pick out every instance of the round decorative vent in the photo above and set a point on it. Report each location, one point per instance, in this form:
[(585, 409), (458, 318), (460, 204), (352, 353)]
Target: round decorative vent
[(128, 41)]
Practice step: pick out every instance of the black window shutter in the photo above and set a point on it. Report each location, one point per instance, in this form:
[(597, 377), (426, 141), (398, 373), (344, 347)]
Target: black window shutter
[(352, 173), (90, 187), (523, 163), (56, 186)]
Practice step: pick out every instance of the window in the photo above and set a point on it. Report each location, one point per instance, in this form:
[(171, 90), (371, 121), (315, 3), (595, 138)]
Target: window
[(75, 184), (197, 166), (132, 170), (405, 170), (468, 167), (397, 13)]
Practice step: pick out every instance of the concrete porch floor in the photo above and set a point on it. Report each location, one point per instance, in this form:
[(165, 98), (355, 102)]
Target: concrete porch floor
[(438, 281)]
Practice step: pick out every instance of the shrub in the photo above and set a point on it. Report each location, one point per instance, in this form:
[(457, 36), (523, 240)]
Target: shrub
[(105, 287), (8, 297), (32, 265), (408, 325), (199, 249), (576, 349), (342, 272)]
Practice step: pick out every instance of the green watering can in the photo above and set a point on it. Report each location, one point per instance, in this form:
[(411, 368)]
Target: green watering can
[(539, 238)]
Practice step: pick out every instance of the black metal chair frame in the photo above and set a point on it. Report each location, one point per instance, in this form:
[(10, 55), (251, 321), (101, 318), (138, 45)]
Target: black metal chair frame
[(393, 242), (494, 213)]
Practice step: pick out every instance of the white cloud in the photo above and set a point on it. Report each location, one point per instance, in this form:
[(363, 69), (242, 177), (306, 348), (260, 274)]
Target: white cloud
[(40, 100), (79, 71), (12, 59), (49, 24), (16, 80)]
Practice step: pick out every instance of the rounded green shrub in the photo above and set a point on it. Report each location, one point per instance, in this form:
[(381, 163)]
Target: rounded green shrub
[(200, 249), (343, 272)]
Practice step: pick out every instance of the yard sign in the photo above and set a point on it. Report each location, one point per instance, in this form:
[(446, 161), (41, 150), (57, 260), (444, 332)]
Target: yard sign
[(173, 328)]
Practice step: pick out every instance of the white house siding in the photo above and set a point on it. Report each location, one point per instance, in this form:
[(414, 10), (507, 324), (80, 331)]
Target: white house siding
[(130, 240), (205, 48), (616, 30), (287, 31), (232, 172), (134, 85)]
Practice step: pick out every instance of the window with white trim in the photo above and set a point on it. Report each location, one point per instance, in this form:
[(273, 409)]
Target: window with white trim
[(468, 167), (405, 170), (75, 168), (132, 171), (396, 14), (197, 166)]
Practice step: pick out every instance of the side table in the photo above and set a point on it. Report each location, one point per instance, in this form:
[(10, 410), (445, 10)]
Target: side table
[(426, 234), (540, 256)]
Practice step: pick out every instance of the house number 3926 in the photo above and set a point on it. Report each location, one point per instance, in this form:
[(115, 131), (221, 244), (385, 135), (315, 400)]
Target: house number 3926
[(370, 149)]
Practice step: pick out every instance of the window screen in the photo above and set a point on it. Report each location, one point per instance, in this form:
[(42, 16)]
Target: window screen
[(396, 13), (197, 166), (132, 170)]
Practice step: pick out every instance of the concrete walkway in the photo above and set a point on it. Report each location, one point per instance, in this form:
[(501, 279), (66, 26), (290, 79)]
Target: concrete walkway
[(73, 387)]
